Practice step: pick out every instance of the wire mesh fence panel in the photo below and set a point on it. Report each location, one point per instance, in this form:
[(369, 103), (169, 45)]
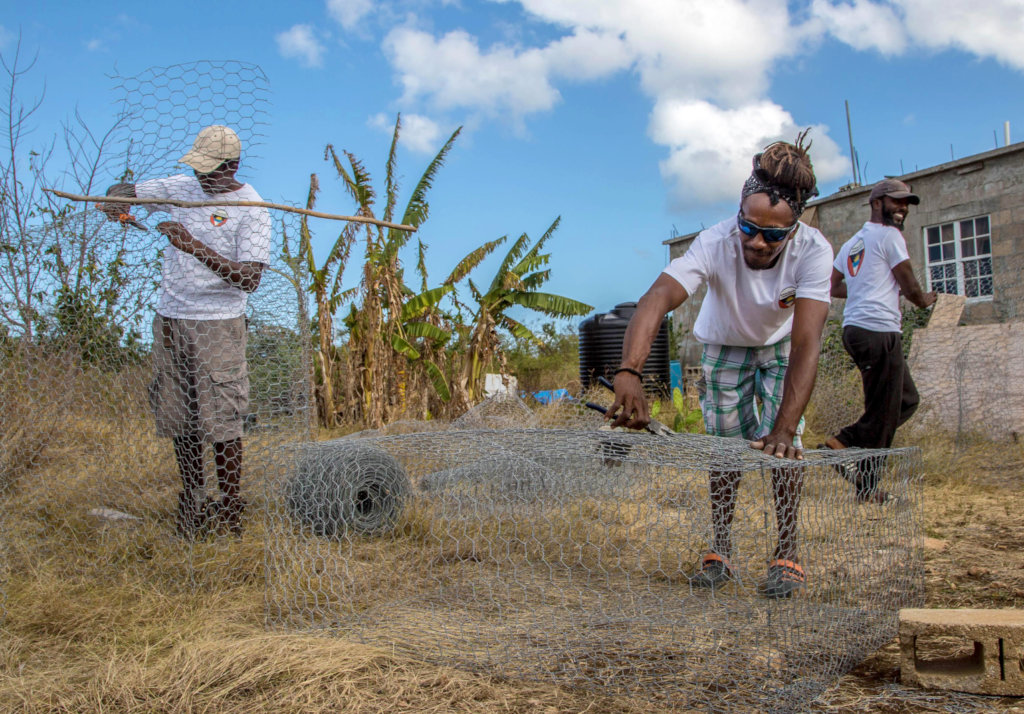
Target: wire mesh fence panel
[(573, 555), (156, 370), (963, 355), (163, 108)]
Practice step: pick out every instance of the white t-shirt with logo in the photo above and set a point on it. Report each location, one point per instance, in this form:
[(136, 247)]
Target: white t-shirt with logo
[(188, 289), (866, 262), (746, 307)]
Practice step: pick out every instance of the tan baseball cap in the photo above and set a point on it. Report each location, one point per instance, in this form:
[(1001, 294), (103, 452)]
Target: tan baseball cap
[(213, 146), (894, 189)]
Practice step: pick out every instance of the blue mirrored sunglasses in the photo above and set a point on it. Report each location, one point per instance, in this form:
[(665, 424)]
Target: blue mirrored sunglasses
[(771, 235)]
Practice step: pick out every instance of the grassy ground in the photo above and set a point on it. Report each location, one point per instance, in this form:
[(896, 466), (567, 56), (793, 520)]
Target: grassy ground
[(100, 622)]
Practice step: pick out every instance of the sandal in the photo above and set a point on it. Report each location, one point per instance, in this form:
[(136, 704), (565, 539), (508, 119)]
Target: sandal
[(714, 572), (784, 577)]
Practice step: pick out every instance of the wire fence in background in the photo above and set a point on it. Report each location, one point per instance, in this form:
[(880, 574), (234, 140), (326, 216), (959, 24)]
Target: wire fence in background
[(114, 415)]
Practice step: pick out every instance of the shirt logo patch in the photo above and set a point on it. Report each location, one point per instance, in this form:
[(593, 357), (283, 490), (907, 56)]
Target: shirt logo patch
[(856, 258), (787, 297), (218, 218)]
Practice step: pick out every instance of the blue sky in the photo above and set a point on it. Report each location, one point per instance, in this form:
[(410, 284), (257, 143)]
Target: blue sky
[(627, 118)]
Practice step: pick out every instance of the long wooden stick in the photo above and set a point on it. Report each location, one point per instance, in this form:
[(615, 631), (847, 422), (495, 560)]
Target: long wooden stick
[(200, 204)]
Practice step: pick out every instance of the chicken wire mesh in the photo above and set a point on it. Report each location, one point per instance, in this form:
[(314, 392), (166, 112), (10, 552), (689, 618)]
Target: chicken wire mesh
[(528, 542), (163, 108), (569, 553), (962, 356), (137, 405)]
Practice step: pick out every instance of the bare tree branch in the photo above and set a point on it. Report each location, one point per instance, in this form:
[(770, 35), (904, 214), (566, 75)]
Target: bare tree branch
[(200, 204)]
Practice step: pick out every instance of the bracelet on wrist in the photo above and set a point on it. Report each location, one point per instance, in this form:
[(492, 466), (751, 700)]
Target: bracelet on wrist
[(632, 371)]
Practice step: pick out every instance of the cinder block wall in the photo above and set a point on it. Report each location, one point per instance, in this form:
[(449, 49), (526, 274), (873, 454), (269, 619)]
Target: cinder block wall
[(989, 184)]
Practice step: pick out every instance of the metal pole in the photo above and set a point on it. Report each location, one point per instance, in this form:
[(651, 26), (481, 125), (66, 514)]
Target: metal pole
[(849, 130)]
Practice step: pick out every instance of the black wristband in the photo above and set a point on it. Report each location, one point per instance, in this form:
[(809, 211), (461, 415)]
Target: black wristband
[(632, 371)]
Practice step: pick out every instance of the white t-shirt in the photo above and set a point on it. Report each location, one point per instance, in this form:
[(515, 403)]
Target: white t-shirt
[(188, 289), (866, 262), (746, 307)]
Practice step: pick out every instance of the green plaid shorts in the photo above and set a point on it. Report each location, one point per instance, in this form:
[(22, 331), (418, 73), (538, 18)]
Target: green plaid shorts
[(743, 389)]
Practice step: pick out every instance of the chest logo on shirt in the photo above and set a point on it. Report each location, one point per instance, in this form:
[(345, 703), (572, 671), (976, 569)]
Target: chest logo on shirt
[(856, 258), (218, 218), (787, 297)]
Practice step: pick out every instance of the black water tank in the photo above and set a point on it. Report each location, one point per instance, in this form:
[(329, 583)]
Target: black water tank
[(601, 349)]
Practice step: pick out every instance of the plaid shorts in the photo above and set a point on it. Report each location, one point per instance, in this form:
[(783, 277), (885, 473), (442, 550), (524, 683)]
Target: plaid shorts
[(736, 380)]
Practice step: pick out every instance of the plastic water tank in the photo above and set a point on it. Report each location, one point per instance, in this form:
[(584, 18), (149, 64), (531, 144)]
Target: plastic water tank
[(601, 348)]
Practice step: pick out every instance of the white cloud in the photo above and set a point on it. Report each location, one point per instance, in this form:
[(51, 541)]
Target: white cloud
[(300, 43), (94, 44), (701, 62), (453, 73), (710, 148), (705, 64), (6, 37), (863, 25), (721, 49), (348, 13), (992, 28), (419, 134), (587, 55)]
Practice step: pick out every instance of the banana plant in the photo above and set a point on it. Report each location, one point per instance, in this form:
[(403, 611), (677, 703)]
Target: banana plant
[(517, 282), (391, 327)]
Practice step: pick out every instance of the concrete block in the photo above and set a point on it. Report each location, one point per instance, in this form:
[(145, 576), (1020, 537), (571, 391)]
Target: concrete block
[(988, 648), (947, 310)]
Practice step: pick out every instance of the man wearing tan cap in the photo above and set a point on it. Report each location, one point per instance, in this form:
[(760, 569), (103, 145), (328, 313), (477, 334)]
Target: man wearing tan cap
[(200, 391), (870, 271)]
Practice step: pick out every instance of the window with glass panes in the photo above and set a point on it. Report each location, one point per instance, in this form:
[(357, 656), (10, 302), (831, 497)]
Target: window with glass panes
[(960, 257)]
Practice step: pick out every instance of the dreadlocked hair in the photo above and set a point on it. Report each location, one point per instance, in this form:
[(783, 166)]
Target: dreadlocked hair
[(788, 166)]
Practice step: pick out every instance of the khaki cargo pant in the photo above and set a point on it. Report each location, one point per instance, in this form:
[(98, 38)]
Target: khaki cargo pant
[(200, 379)]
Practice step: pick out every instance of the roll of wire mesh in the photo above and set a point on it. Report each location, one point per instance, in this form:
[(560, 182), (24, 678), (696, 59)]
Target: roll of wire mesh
[(342, 486)]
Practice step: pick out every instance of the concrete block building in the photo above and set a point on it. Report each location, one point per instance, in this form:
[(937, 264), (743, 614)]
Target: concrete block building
[(965, 238)]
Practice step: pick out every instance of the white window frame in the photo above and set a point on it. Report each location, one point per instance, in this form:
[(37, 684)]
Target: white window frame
[(959, 258)]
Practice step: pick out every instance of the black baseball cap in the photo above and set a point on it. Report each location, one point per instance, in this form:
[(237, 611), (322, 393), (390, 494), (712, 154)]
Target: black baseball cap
[(894, 189)]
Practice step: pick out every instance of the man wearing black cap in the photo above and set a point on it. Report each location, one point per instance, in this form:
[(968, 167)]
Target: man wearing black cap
[(870, 271)]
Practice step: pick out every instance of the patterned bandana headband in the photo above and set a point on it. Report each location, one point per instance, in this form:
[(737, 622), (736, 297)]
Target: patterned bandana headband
[(761, 182)]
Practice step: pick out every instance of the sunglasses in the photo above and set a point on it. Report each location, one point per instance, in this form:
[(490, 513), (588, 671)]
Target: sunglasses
[(771, 235)]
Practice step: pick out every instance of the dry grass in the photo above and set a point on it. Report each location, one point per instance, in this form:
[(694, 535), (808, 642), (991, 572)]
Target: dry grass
[(101, 619)]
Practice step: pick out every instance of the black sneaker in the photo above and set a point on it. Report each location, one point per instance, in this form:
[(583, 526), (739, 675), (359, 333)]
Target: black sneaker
[(714, 572), (878, 497), (192, 518), (225, 516), (784, 578)]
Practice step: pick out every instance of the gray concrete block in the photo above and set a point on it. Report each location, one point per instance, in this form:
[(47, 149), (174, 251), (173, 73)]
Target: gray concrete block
[(988, 648)]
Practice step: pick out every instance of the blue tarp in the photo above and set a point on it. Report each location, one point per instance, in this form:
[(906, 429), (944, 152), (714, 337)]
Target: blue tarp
[(547, 396), (676, 374)]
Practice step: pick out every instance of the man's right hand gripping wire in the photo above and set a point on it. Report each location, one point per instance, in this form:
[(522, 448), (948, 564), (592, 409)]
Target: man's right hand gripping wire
[(115, 212), (120, 212), (629, 397)]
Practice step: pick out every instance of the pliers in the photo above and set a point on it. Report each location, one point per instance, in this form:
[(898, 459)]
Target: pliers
[(653, 426)]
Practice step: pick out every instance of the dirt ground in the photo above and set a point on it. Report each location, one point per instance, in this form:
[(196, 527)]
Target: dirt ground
[(974, 558), (144, 643)]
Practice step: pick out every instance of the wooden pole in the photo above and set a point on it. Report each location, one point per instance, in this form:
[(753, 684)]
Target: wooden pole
[(131, 201)]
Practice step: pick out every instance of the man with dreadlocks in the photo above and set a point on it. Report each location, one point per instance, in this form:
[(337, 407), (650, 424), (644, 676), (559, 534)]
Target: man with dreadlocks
[(760, 324)]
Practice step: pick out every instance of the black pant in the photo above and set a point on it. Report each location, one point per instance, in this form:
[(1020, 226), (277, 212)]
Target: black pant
[(890, 397)]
